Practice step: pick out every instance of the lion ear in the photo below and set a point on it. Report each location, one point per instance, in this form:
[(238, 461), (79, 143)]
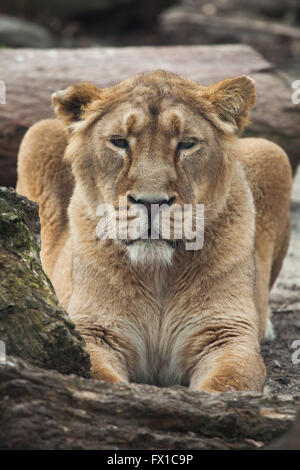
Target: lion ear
[(232, 99), (69, 104)]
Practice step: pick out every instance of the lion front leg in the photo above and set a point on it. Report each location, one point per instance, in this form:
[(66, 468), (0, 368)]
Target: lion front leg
[(233, 367), (106, 365), (107, 361)]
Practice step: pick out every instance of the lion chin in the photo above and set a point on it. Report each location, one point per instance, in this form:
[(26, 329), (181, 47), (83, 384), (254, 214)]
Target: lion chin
[(151, 253)]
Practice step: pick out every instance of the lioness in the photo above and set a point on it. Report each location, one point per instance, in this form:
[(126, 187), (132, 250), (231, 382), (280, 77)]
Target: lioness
[(151, 310)]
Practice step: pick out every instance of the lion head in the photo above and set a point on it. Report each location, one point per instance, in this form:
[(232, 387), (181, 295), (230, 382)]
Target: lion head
[(149, 146)]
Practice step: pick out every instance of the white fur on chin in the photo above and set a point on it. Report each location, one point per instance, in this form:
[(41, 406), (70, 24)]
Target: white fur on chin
[(150, 253)]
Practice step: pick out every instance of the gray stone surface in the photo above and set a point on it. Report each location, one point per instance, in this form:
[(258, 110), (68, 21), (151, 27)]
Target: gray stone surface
[(16, 32)]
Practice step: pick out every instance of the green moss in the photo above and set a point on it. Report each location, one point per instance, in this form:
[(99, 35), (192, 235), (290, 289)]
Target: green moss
[(32, 324)]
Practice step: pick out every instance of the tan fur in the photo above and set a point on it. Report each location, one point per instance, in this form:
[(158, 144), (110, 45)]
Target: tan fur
[(196, 319)]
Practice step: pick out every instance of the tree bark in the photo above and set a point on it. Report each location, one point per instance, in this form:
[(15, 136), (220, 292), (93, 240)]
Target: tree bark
[(31, 76), (32, 324), (290, 440), (47, 410)]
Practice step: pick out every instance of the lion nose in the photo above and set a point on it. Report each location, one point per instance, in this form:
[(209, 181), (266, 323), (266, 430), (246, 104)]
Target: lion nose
[(148, 201)]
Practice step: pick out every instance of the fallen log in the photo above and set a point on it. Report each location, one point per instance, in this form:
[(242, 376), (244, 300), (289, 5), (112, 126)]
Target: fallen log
[(32, 75), (32, 324), (46, 410), (277, 41), (290, 440)]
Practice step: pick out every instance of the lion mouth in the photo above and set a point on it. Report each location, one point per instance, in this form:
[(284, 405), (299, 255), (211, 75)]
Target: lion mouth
[(171, 243), (147, 240)]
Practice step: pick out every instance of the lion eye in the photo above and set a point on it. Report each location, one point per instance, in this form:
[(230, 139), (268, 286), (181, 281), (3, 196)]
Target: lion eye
[(185, 145), (120, 142)]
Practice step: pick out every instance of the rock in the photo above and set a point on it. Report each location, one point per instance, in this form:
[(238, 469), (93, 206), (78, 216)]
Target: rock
[(89, 414), (32, 324), (15, 32), (31, 77)]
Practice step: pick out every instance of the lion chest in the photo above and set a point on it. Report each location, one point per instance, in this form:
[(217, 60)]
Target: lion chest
[(158, 359), (157, 333)]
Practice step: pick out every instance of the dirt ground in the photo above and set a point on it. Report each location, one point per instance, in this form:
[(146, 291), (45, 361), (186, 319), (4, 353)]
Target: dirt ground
[(283, 376)]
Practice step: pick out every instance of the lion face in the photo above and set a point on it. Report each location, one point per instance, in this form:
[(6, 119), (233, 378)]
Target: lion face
[(148, 150)]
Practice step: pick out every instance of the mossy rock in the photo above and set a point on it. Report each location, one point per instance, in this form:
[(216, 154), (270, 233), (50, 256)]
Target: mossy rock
[(32, 324)]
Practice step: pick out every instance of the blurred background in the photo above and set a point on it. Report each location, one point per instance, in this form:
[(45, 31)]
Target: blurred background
[(270, 26)]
